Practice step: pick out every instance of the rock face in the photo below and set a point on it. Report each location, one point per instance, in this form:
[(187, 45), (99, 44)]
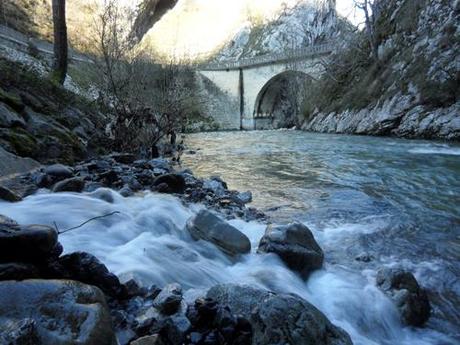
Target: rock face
[(295, 245), (411, 300), (208, 227), (279, 319), (54, 313)]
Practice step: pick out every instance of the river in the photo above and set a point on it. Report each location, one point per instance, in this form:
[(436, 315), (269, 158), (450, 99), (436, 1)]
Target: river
[(395, 200)]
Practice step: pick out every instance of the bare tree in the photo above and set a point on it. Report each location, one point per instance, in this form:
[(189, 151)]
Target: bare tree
[(60, 41), (370, 9), (150, 100)]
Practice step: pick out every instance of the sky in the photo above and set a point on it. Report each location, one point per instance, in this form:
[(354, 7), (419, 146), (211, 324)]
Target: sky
[(196, 27)]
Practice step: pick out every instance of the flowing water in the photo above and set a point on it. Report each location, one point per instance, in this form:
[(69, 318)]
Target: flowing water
[(396, 200)]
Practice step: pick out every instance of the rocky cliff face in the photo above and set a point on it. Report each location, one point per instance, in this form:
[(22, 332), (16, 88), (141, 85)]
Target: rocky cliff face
[(309, 22), (412, 91)]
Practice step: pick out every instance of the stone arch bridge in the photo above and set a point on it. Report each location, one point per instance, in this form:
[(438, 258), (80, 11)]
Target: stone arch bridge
[(248, 82)]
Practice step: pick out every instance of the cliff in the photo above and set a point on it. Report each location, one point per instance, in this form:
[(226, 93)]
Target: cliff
[(411, 90)]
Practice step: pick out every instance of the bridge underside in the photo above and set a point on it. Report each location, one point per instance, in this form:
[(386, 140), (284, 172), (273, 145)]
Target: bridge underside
[(279, 103)]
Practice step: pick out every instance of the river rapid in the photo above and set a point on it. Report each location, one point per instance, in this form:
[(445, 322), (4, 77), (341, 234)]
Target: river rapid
[(395, 200)]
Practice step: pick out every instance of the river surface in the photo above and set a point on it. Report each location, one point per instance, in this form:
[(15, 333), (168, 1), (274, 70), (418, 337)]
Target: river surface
[(396, 200)]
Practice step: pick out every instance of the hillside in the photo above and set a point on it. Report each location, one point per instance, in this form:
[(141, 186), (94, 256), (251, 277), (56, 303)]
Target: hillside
[(308, 22)]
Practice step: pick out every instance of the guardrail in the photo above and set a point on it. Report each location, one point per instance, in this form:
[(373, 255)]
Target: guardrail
[(295, 54), (13, 37)]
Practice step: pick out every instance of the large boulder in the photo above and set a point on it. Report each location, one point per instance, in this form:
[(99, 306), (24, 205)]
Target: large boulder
[(86, 268), (53, 312), (410, 299), (33, 243), (58, 171), (279, 318), (12, 164), (295, 245), (207, 226)]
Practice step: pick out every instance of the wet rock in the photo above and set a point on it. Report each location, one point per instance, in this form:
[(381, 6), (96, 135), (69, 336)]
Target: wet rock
[(279, 318), (20, 332), (175, 183), (57, 312), (169, 299), (126, 192), (410, 299), (133, 289), (208, 227), (244, 197), (74, 184), (86, 268), (174, 329), (18, 271), (33, 243), (105, 194), (59, 171), (8, 195), (215, 186), (160, 163), (8, 223), (295, 245)]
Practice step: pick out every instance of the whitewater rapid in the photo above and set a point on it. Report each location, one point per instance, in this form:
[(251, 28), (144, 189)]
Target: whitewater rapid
[(148, 241)]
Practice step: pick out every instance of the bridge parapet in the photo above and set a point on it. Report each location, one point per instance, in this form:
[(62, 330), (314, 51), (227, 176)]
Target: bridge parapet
[(289, 55)]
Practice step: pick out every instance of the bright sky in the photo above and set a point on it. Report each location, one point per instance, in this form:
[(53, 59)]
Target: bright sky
[(200, 26)]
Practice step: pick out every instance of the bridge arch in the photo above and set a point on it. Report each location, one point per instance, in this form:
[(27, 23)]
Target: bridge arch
[(279, 102)]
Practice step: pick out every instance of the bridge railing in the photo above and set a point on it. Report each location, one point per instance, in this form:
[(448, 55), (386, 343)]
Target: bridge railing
[(289, 55)]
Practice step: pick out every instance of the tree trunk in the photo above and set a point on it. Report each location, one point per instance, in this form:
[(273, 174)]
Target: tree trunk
[(60, 41)]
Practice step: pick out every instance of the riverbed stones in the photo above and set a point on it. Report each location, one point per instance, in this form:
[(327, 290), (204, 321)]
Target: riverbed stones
[(169, 299), (279, 318), (295, 245), (33, 243), (53, 312), (208, 227), (73, 184), (404, 290)]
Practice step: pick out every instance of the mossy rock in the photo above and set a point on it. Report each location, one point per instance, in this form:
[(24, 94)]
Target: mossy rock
[(22, 142), (14, 101)]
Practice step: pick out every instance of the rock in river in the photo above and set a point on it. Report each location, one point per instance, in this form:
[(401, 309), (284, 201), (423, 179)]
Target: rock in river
[(73, 184), (33, 243), (174, 183), (295, 245), (53, 312), (279, 318), (207, 226), (410, 299)]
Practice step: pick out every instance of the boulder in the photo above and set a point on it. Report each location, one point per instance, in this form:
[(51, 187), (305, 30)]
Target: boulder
[(208, 227), (86, 268), (8, 195), (279, 318), (175, 183), (244, 197), (8, 223), (9, 118), (169, 299), (126, 192), (33, 243), (295, 245), (59, 171), (73, 184), (410, 299), (55, 312), (12, 164)]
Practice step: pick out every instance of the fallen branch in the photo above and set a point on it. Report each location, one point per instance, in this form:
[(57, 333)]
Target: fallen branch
[(85, 222)]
